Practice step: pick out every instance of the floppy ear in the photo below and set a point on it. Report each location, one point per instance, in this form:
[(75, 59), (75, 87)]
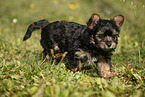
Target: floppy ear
[(93, 20), (119, 19)]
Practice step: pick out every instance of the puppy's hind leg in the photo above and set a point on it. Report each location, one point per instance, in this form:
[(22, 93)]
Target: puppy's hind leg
[(73, 62), (48, 49), (44, 54)]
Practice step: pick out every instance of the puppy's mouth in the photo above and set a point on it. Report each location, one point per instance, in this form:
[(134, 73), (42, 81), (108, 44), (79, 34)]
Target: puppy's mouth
[(107, 46)]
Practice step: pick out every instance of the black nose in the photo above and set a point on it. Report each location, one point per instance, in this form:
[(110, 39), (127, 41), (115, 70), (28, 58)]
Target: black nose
[(109, 44)]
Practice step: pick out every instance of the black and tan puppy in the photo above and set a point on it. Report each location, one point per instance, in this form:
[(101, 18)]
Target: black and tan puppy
[(92, 43)]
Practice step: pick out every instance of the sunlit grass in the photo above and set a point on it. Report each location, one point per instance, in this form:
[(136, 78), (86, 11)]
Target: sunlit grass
[(23, 73)]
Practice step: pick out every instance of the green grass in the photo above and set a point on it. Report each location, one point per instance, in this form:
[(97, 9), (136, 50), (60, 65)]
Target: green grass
[(23, 73)]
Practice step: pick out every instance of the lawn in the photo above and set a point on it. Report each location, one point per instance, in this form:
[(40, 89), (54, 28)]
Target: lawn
[(23, 72)]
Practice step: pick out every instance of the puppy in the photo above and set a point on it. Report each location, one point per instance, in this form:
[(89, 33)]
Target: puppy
[(85, 44)]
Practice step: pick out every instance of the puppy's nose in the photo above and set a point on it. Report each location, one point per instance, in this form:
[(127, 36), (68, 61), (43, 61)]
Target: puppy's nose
[(109, 44)]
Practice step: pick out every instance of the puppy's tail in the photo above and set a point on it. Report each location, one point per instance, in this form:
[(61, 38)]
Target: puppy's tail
[(35, 26)]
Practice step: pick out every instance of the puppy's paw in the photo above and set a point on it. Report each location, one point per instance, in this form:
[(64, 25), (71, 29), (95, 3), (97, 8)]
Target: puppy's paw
[(74, 69), (104, 70), (108, 74)]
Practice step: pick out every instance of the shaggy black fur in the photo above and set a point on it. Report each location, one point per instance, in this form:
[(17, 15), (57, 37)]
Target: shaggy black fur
[(91, 44)]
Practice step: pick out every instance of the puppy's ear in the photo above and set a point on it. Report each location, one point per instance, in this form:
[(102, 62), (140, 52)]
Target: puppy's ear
[(119, 19), (93, 20)]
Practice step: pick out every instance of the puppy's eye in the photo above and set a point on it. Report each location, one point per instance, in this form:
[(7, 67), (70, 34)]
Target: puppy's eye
[(100, 35), (115, 37)]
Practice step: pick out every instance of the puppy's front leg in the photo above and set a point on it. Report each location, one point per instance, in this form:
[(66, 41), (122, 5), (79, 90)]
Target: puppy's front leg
[(104, 68)]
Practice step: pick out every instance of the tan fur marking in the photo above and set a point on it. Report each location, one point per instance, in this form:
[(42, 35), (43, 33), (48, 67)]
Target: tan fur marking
[(104, 68)]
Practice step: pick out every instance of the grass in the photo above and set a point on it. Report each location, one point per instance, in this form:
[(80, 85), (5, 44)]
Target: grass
[(23, 73)]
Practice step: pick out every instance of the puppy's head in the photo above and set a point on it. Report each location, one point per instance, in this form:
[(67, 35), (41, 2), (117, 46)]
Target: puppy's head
[(105, 33)]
